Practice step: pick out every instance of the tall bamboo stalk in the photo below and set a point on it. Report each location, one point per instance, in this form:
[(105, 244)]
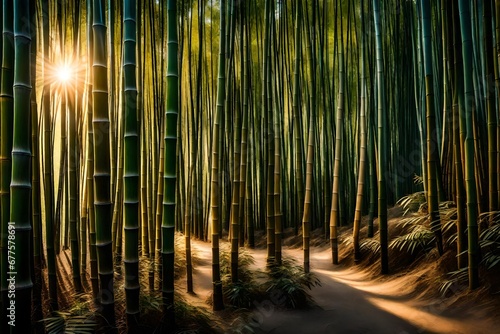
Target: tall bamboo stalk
[(382, 141), (73, 194), (217, 302), (244, 128), (6, 121), (277, 179), (19, 225), (458, 124), (334, 216), (235, 196), (490, 106), (131, 165), (306, 219), (169, 171), (36, 188), (497, 84), (432, 147), (102, 195), (90, 157), (468, 109), (268, 131), (297, 132), (363, 141)]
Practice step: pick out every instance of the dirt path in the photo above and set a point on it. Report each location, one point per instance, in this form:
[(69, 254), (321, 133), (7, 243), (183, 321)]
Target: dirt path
[(348, 302)]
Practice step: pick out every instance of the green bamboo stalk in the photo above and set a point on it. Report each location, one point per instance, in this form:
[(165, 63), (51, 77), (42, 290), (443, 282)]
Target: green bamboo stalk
[(467, 110), (497, 84), (432, 147), (372, 174), (84, 227), (169, 171), (63, 205), (457, 126), (307, 216), (159, 211), (35, 180), (419, 99), (74, 154), (144, 212), (118, 193), (299, 178), (363, 140), (20, 186), (117, 170), (90, 157), (277, 179), (131, 166), (111, 8), (334, 216), (6, 121), (102, 196), (268, 132), (73, 200), (249, 217), (188, 218), (48, 187), (382, 142), (490, 106), (235, 196), (244, 127), (217, 301)]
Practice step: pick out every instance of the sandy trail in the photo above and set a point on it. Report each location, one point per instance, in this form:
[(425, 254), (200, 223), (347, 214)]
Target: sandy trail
[(348, 302)]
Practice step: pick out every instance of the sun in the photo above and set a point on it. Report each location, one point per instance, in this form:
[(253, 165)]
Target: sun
[(64, 73)]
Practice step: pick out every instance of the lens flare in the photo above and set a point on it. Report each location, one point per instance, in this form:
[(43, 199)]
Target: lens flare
[(64, 73)]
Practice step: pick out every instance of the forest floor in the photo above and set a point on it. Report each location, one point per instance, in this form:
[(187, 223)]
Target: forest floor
[(353, 298), (356, 298)]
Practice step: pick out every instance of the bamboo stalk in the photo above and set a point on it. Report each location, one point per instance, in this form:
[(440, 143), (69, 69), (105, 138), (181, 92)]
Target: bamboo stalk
[(20, 186), (102, 195)]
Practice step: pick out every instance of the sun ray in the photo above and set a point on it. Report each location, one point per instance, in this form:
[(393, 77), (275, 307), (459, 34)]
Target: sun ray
[(64, 73)]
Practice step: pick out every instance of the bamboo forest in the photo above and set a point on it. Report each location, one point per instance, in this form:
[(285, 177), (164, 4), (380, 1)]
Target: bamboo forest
[(250, 166)]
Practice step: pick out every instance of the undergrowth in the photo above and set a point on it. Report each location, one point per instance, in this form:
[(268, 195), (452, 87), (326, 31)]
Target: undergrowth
[(287, 283), (417, 237), (245, 291), (80, 318)]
